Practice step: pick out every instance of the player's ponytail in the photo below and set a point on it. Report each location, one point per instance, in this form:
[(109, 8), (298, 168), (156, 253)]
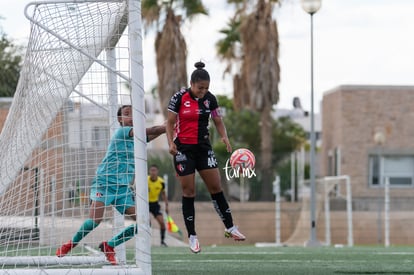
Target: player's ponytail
[(199, 74)]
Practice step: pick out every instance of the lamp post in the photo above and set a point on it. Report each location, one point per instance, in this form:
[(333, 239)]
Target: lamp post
[(311, 7), (379, 139)]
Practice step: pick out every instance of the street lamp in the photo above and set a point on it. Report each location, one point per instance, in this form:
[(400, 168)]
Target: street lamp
[(311, 7), (379, 140)]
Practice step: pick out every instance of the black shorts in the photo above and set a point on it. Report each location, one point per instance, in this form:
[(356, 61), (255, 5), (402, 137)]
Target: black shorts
[(155, 209), (193, 157)]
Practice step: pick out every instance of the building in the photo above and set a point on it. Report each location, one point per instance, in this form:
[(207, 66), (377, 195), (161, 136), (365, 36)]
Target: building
[(70, 152), (302, 117), (5, 103), (368, 135)]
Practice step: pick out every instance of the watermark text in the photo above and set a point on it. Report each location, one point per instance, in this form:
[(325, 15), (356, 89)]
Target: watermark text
[(238, 172)]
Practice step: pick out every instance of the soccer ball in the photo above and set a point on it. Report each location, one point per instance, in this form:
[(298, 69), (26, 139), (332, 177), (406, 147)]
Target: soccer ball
[(242, 158)]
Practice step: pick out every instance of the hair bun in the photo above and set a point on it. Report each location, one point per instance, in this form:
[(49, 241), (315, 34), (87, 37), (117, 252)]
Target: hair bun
[(199, 65)]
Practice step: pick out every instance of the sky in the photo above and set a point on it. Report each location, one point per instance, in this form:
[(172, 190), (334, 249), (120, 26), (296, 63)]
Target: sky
[(356, 42)]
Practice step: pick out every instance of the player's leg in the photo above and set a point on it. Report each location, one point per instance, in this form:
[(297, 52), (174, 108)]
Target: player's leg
[(155, 210), (99, 197), (184, 163), (125, 204), (206, 164), (188, 187), (96, 212), (211, 177), (160, 220), (127, 233), (207, 167)]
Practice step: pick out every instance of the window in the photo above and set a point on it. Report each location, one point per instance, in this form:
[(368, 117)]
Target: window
[(399, 169), (100, 137), (334, 162)]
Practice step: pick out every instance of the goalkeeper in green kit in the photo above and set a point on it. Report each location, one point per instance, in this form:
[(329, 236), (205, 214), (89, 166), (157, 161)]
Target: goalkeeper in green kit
[(111, 186)]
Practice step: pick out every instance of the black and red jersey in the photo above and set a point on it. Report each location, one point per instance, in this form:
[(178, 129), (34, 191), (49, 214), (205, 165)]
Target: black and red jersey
[(192, 115)]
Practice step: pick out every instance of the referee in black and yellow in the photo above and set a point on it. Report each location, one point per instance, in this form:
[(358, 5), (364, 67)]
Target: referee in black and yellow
[(156, 187)]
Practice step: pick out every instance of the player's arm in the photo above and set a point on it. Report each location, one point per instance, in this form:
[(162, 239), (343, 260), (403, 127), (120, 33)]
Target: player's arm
[(171, 120), (221, 129), (151, 132), (155, 131)]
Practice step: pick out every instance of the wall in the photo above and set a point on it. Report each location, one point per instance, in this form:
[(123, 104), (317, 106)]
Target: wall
[(257, 221)]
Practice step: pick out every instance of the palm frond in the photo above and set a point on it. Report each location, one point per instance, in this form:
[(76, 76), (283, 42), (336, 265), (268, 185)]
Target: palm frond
[(194, 7), (226, 46), (150, 12)]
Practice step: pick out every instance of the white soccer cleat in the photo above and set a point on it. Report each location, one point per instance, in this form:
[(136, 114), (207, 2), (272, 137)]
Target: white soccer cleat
[(233, 232), (194, 244)]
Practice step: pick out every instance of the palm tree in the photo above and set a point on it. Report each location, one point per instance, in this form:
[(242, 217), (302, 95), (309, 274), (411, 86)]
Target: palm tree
[(170, 45), (256, 87)]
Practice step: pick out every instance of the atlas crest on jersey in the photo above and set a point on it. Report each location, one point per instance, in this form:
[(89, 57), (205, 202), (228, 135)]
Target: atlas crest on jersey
[(207, 103), (180, 167)]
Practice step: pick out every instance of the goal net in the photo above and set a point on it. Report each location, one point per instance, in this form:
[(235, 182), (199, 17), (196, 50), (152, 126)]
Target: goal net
[(327, 189), (77, 71)]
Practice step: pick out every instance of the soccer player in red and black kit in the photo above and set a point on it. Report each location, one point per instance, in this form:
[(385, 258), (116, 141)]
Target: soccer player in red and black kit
[(188, 139)]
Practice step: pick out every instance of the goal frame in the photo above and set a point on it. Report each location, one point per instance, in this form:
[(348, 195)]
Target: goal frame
[(143, 237), (325, 186), (346, 180)]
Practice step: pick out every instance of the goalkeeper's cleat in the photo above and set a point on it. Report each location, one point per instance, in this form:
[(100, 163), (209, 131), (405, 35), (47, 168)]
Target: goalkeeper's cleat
[(233, 232), (194, 244), (65, 248), (109, 252)]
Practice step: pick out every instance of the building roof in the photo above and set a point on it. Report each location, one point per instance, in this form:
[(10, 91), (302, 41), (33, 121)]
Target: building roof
[(350, 88)]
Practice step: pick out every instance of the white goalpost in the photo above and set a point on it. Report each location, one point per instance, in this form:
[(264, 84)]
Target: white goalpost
[(83, 61), (327, 187), (329, 183)]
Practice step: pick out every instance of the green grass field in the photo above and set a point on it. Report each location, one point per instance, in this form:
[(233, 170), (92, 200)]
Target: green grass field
[(283, 260), (242, 260)]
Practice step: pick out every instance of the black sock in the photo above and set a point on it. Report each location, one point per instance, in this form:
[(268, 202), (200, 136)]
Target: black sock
[(189, 215), (162, 235), (222, 209)]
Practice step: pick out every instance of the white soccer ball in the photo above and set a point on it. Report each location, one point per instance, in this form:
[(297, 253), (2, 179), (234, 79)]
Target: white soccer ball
[(242, 158)]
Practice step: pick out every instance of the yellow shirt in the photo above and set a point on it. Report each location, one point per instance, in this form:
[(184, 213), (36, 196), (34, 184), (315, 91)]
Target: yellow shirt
[(155, 188)]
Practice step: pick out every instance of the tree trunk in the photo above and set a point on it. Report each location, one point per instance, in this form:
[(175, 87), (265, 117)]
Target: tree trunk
[(266, 154), (171, 57), (261, 72)]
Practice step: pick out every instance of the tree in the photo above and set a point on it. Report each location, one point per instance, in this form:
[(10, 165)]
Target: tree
[(170, 45), (256, 87), (10, 65)]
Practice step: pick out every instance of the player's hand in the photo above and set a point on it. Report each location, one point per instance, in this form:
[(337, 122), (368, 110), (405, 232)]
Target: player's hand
[(173, 149), (228, 145)]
